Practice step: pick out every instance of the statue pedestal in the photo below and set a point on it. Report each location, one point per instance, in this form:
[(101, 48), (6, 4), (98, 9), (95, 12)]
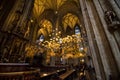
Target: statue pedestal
[(114, 26)]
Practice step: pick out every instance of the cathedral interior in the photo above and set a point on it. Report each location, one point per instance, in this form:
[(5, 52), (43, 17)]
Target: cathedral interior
[(60, 40)]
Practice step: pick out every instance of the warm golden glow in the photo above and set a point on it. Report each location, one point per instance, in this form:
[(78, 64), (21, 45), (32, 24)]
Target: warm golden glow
[(46, 24), (30, 50), (82, 60), (54, 5), (38, 8), (42, 31), (70, 46), (41, 5), (81, 73), (70, 20), (46, 27), (31, 21), (45, 74)]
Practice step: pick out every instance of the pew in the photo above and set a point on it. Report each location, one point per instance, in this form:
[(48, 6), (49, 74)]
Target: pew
[(68, 75), (50, 75), (12, 67), (47, 75), (18, 71), (52, 68), (23, 75)]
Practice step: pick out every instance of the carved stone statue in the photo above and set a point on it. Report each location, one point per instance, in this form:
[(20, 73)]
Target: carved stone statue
[(112, 20), (110, 16)]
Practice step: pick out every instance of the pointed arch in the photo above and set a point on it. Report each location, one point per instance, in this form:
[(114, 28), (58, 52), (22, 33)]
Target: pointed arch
[(77, 29), (70, 20), (45, 28)]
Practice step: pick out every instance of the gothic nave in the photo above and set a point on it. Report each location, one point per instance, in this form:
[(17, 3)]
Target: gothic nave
[(60, 40)]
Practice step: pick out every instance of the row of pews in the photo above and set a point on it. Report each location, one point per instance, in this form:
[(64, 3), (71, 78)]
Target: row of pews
[(22, 75), (18, 71), (59, 75), (23, 71), (68, 75)]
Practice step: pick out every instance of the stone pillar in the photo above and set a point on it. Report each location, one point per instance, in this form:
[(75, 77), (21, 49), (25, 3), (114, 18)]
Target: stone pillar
[(90, 40), (117, 36), (26, 12), (115, 6), (19, 14), (110, 37), (9, 20), (18, 17), (22, 26), (98, 39)]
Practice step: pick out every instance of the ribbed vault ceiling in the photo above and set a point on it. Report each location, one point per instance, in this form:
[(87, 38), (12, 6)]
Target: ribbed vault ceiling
[(46, 13), (41, 5)]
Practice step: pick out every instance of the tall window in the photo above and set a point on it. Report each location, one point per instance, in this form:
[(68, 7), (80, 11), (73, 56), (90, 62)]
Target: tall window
[(77, 30), (41, 38), (78, 33)]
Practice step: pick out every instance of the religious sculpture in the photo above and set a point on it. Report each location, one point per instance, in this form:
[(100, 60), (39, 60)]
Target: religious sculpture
[(112, 20), (110, 16)]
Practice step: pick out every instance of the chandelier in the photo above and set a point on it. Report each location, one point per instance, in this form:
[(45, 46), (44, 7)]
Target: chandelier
[(55, 40), (69, 43)]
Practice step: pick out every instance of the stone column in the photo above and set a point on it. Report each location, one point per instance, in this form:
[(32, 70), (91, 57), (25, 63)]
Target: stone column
[(22, 26), (9, 19), (115, 7), (98, 39), (110, 37), (26, 11), (90, 40)]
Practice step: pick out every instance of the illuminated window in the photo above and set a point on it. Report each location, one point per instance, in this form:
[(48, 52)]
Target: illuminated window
[(41, 38), (77, 30)]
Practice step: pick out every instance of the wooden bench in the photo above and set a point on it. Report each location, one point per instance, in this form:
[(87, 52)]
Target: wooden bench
[(61, 71), (67, 74), (49, 75), (23, 75), (52, 68), (16, 71), (12, 67)]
